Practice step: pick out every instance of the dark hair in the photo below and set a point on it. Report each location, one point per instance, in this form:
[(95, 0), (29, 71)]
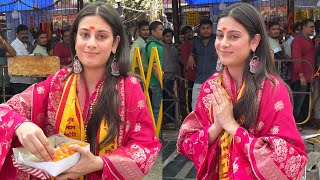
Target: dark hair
[(247, 106), (164, 32), (205, 21), (142, 23), (273, 23), (317, 26), (21, 27), (40, 32), (296, 26), (306, 22), (185, 29), (66, 29), (108, 104), (154, 25)]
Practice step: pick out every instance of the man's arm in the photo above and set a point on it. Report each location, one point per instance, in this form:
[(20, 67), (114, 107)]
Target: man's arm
[(10, 51), (192, 57), (296, 53), (154, 65), (155, 71)]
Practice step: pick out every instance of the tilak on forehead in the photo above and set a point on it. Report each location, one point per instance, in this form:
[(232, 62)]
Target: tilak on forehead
[(92, 28), (224, 28)]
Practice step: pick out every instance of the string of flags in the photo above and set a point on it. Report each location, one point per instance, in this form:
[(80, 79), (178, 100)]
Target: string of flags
[(10, 3), (33, 7)]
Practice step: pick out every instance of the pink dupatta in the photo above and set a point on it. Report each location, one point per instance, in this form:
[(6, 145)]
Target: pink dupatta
[(274, 150), (138, 147)]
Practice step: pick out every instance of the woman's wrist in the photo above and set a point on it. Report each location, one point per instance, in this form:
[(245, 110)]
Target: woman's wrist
[(232, 128), (97, 164), (213, 133)]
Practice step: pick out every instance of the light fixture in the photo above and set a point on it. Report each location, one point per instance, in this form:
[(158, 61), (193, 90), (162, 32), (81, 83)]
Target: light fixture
[(318, 4), (15, 14), (222, 6)]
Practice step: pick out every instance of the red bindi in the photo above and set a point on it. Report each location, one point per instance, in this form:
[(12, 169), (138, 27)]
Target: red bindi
[(92, 28), (224, 28)]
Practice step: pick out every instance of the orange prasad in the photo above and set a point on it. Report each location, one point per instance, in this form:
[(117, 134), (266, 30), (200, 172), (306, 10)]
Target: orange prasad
[(65, 151)]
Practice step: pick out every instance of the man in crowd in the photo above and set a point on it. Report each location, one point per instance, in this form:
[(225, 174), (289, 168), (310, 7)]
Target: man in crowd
[(302, 47), (170, 71), (6, 50), (203, 56), (188, 73), (156, 29), (42, 42), (19, 83), (296, 29), (140, 42), (62, 50), (274, 34)]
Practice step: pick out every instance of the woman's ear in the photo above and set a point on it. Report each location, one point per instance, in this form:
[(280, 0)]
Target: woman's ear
[(255, 42), (115, 45)]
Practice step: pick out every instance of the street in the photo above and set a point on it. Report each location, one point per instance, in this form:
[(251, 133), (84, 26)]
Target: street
[(175, 166)]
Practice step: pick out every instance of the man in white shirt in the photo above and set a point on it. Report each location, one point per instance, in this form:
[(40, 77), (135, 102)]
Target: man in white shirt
[(20, 43), (140, 42), (19, 83), (274, 33), (296, 29)]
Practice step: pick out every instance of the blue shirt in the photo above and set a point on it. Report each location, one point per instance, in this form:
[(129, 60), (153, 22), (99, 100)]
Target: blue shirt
[(205, 57)]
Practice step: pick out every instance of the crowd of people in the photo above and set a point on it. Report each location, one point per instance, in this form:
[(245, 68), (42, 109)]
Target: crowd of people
[(40, 47), (301, 44), (239, 117), (193, 60)]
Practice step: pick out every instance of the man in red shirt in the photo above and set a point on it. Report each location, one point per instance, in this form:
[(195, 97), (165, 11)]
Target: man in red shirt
[(62, 50), (302, 47), (188, 73)]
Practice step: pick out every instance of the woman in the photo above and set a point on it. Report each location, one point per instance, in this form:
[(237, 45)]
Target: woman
[(243, 125), (95, 101)]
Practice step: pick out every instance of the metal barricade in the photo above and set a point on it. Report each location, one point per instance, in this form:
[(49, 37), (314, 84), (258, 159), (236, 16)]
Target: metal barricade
[(175, 102), (3, 95), (279, 65)]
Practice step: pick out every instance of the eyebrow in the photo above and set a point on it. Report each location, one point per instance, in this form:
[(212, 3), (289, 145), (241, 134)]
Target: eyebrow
[(231, 31), (96, 30)]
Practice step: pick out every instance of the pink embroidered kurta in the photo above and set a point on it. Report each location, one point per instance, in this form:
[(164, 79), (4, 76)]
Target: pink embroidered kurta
[(137, 149), (274, 150)]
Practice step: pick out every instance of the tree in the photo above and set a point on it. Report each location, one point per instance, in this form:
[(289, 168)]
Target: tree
[(138, 9)]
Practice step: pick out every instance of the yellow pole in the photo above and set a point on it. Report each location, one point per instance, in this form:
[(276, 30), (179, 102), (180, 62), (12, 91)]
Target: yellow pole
[(146, 80), (137, 59), (155, 57)]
